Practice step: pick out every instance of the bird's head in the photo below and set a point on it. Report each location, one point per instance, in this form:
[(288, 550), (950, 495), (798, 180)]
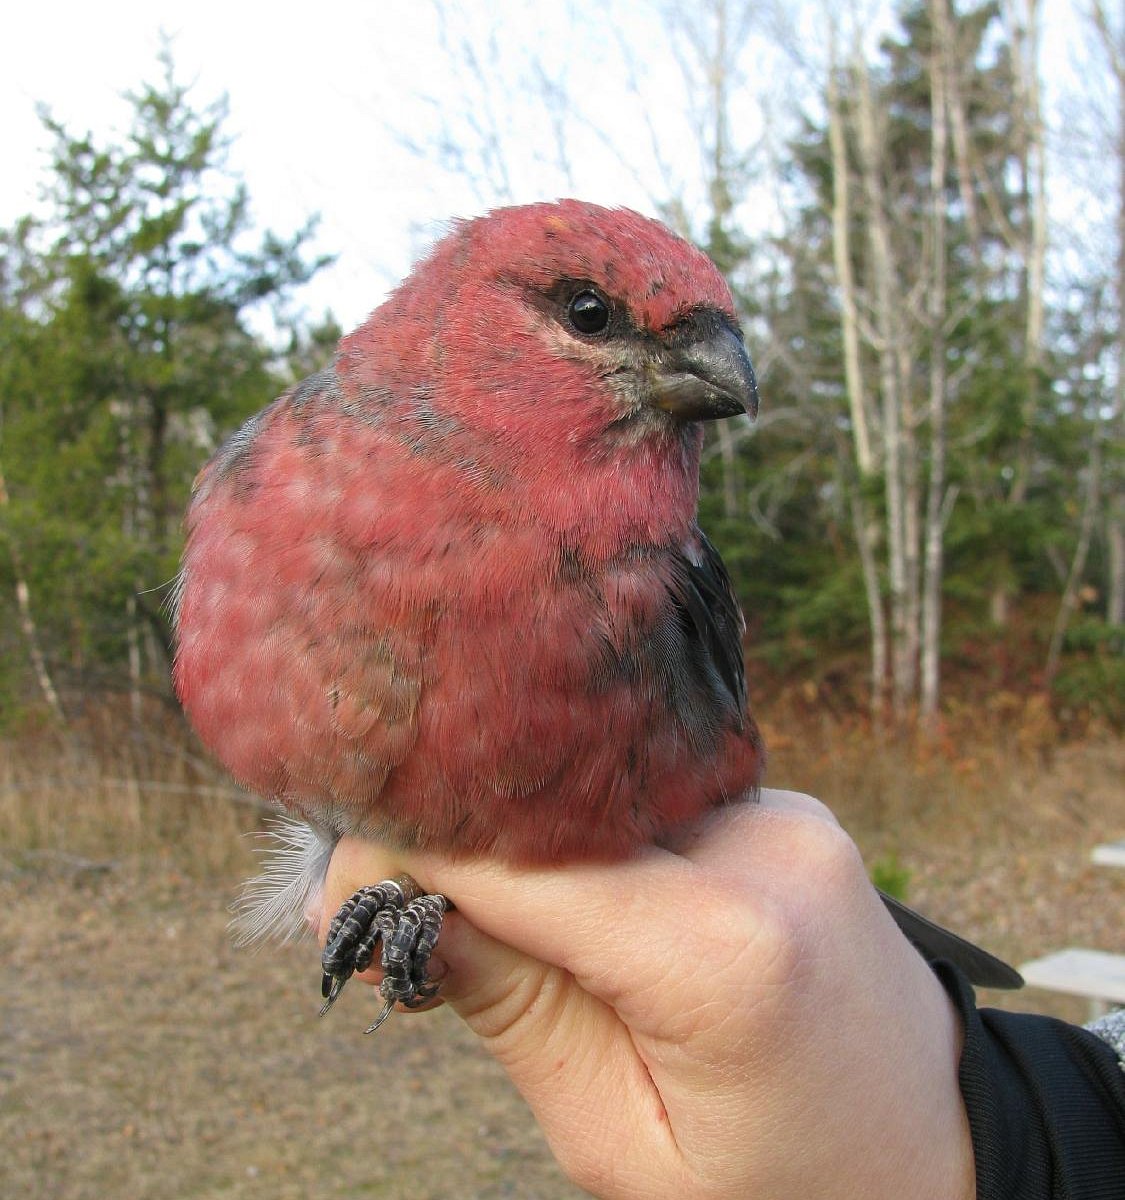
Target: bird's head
[(557, 337)]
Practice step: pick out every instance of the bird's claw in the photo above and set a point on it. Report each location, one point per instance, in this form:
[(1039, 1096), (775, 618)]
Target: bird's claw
[(384, 1013), (405, 922), (330, 988)]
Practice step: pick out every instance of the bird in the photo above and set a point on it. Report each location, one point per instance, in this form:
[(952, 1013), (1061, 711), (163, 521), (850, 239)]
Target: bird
[(450, 592)]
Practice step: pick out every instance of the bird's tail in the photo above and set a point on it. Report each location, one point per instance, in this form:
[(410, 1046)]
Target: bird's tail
[(273, 904), (936, 942)]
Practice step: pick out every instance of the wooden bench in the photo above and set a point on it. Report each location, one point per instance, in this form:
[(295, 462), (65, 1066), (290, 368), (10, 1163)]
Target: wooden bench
[(1111, 854), (1095, 974)]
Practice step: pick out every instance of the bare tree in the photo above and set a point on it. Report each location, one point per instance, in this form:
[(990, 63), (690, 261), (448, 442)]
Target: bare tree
[(942, 60), (709, 42), (1069, 602), (1111, 41), (891, 340), (28, 626), (863, 522), (1026, 242), (892, 250)]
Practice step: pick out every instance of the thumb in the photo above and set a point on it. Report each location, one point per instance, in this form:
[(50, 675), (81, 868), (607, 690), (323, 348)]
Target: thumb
[(567, 1052)]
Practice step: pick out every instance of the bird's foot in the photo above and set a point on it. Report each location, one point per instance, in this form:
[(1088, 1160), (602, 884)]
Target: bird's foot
[(406, 921)]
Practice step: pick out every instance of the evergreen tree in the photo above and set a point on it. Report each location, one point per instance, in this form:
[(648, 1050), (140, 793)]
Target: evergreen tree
[(128, 354)]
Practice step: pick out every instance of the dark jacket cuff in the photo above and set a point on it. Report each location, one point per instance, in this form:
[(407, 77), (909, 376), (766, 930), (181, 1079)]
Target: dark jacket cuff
[(1045, 1100)]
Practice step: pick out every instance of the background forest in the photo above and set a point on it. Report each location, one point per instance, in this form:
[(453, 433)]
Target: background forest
[(925, 233), (930, 502)]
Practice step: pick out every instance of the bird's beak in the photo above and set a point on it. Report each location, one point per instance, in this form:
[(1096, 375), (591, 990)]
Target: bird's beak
[(705, 374)]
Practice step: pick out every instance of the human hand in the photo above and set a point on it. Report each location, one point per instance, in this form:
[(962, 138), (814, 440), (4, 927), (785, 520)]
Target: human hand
[(734, 1016)]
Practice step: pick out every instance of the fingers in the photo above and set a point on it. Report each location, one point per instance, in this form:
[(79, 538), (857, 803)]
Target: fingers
[(726, 899), (597, 924), (564, 1048), (662, 1013), (582, 916), (489, 982)]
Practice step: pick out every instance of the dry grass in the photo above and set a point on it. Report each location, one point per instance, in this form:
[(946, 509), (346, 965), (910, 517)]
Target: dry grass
[(104, 795), (143, 1056), (993, 819)]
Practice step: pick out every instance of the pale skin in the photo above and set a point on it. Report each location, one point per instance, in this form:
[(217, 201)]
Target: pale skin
[(800, 1049)]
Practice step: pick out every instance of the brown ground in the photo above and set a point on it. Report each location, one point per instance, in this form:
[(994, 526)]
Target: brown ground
[(142, 1056)]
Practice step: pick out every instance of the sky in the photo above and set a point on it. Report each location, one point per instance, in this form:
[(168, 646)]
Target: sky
[(323, 99)]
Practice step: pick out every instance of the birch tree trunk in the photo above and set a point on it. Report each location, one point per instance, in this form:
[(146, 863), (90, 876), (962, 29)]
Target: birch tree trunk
[(863, 523), (1115, 536), (842, 259), (887, 312), (1069, 601), (1115, 505), (137, 525), (957, 109), (911, 511), (1115, 501), (1028, 242), (28, 626), (1037, 233), (935, 507)]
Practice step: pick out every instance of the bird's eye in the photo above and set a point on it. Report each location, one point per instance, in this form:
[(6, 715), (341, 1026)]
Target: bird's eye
[(588, 312)]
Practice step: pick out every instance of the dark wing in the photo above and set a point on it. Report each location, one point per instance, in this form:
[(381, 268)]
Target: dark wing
[(935, 942), (713, 625)]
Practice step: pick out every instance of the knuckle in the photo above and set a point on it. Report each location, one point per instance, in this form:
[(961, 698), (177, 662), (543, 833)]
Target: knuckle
[(827, 852), (809, 850)]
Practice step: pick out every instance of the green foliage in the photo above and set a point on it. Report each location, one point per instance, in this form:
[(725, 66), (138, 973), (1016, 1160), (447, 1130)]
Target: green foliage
[(1092, 678), (779, 502), (890, 875), (126, 354)]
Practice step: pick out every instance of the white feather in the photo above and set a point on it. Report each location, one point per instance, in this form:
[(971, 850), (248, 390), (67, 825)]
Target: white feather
[(273, 905)]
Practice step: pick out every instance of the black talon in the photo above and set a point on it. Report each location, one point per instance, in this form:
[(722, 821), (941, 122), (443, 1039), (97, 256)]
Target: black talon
[(406, 922), (330, 988), (384, 1013)]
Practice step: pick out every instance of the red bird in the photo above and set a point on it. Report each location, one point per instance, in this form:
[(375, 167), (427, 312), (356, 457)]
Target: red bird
[(450, 592)]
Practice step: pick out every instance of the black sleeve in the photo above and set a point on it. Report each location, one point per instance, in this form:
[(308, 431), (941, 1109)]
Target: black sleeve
[(1046, 1104)]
